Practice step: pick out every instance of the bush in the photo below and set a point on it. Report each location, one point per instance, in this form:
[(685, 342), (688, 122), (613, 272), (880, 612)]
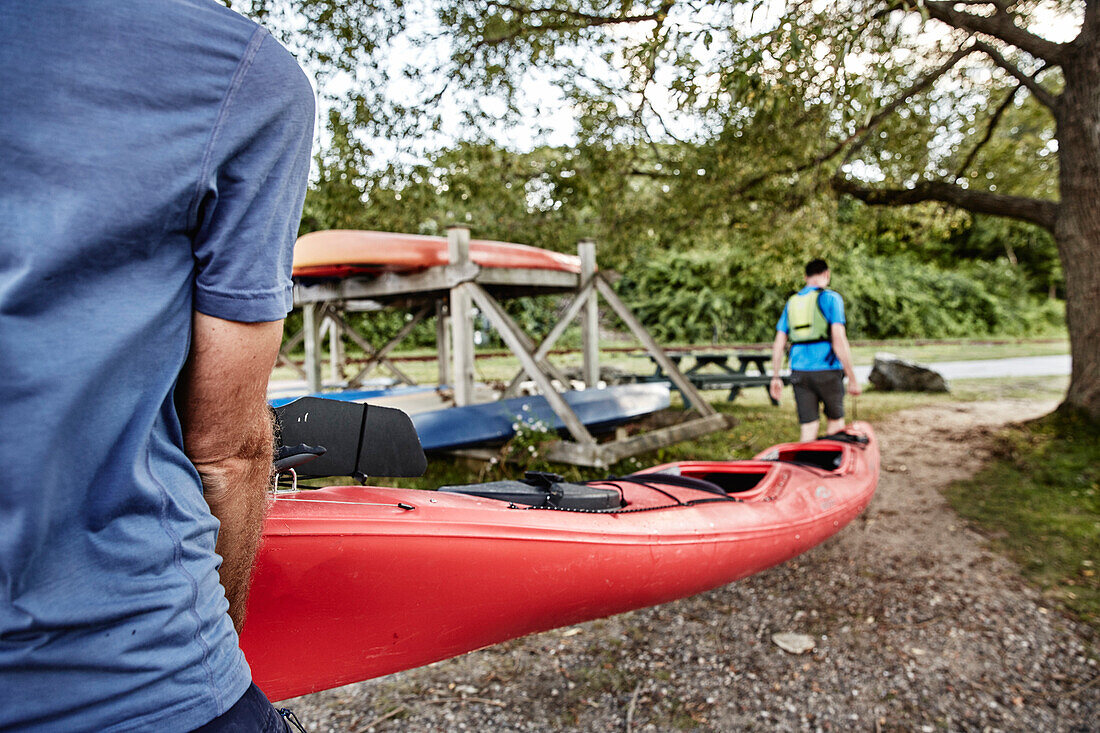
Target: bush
[(725, 294), (710, 292), (899, 297)]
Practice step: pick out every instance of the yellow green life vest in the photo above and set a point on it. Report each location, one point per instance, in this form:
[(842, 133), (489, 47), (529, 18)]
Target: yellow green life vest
[(806, 322)]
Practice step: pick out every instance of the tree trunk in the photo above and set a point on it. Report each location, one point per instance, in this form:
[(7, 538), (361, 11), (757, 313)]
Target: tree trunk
[(1077, 228)]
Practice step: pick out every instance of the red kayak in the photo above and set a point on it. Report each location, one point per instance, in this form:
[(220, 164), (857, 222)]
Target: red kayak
[(357, 582), (339, 253)]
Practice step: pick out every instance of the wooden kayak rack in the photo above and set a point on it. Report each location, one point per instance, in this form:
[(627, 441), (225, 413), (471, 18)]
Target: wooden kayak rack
[(451, 292)]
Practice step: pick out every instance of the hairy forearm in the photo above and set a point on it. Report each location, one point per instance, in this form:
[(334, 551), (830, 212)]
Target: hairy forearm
[(235, 487), (227, 435)]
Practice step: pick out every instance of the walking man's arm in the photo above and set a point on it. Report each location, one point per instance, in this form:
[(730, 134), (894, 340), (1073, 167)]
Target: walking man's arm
[(775, 389), (227, 434), (844, 353)]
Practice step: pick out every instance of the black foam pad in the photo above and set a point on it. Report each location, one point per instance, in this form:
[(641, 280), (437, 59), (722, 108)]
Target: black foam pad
[(359, 439), (391, 446)]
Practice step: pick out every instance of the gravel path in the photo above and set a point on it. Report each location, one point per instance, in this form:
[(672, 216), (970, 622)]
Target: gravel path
[(915, 625)]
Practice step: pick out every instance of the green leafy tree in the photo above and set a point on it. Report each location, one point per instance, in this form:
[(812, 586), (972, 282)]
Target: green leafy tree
[(727, 107)]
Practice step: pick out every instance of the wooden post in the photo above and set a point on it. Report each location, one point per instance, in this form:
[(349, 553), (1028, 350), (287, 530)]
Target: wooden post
[(443, 341), (555, 333), (335, 350), (462, 320), (687, 389), (514, 338), (590, 321), (312, 328)]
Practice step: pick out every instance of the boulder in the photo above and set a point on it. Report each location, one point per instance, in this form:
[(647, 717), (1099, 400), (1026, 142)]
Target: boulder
[(892, 374)]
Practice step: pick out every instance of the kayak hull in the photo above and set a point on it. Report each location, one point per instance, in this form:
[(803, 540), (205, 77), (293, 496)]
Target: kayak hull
[(341, 253), (350, 586)]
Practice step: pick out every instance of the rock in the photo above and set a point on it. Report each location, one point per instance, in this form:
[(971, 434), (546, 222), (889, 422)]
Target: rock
[(794, 643), (892, 374)]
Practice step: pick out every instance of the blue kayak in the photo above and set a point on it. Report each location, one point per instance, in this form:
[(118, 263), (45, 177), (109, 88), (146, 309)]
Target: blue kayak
[(494, 422)]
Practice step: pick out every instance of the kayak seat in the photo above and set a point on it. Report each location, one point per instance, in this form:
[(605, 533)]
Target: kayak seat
[(559, 494)]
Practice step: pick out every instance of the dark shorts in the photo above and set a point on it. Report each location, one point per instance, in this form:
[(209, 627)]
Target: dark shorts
[(814, 388), (253, 713)]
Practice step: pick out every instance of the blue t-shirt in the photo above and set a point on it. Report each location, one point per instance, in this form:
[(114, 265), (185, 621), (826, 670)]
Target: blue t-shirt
[(817, 356), (153, 160)]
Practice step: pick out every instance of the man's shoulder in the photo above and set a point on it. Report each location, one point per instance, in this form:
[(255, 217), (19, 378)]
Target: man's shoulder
[(281, 72), (832, 305), (219, 31), (206, 23), (211, 12)]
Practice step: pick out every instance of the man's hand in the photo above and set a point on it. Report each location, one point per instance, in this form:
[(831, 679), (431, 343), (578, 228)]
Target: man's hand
[(775, 389), (227, 434), (844, 353), (779, 346)]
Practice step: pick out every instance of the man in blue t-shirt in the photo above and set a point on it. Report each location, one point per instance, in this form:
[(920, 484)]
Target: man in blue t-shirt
[(153, 162), (813, 323)]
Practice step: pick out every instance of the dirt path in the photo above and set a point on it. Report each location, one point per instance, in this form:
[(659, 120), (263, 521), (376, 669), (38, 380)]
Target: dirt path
[(916, 625)]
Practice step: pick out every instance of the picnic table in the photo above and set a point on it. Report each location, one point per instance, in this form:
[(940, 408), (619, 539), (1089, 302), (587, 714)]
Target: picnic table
[(726, 376)]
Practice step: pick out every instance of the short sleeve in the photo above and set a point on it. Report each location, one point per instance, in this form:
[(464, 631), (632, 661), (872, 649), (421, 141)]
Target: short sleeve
[(832, 305), (252, 187), (782, 326)]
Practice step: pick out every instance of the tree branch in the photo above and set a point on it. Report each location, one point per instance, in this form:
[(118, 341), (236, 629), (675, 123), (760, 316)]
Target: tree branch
[(872, 122), (1036, 211), (585, 19), (999, 25), (589, 22), (643, 173), (564, 19), (1038, 90), (994, 120)]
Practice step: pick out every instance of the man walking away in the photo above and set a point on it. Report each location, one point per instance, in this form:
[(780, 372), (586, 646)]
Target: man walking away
[(813, 323)]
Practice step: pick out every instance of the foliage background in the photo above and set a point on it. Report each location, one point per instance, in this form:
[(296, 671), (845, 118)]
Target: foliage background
[(703, 140), (696, 275)]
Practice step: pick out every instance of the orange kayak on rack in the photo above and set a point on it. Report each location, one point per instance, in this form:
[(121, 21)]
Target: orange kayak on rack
[(339, 253), (357, 582)]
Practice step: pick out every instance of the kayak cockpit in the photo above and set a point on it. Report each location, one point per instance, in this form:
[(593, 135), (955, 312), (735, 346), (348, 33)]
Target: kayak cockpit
[(827, 458), (734, 483), (831, 453)]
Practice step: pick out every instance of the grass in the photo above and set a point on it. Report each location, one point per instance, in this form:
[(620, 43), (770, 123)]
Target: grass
[(1038, 501), (961, 350)]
